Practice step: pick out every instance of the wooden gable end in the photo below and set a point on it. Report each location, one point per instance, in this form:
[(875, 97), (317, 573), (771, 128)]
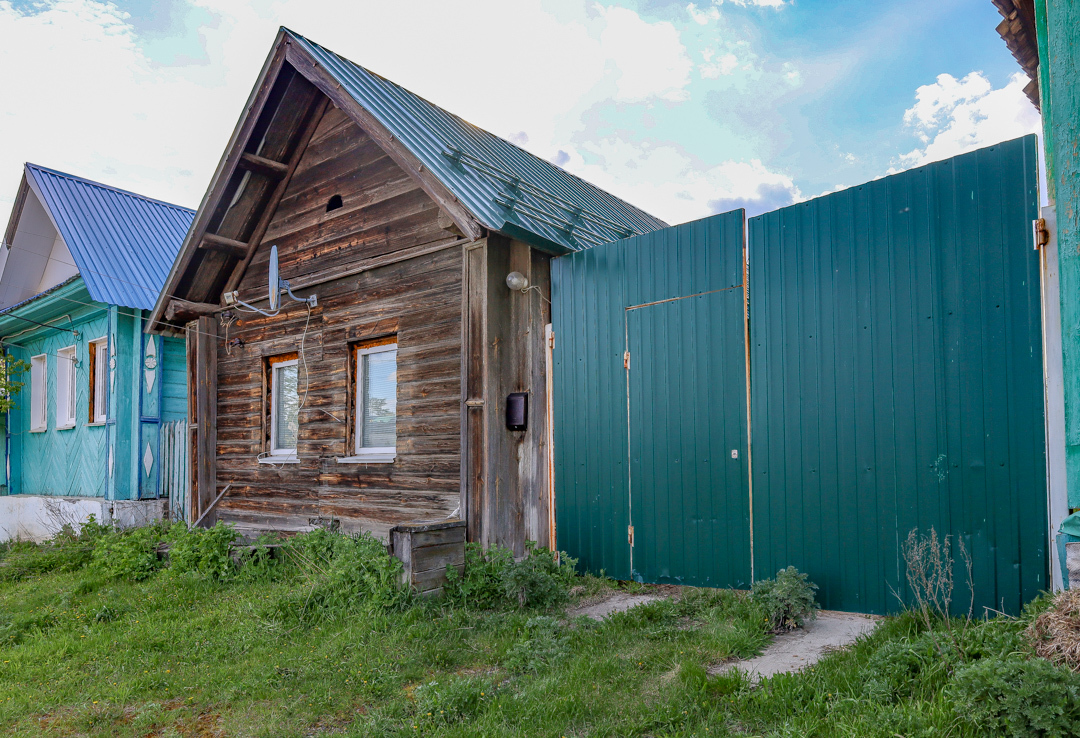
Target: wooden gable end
[(346, 204)]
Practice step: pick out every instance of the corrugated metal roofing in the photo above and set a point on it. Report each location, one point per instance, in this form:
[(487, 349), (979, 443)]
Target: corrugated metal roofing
[(123, 243), (505, 187)]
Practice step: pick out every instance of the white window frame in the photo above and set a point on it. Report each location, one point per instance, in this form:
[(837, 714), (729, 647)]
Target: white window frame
[(279, 455), (39, 393), (368, 454), (100, 401), (66, 388)]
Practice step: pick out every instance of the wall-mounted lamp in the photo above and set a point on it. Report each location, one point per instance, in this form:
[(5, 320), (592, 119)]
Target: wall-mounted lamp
[(517, 281)]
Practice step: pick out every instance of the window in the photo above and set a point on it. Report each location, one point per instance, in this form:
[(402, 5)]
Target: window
[(376, 401), (284, 408), (38, 395), (99, 373), (65, 387)]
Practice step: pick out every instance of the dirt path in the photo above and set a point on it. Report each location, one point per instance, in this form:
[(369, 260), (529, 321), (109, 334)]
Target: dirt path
[(803, 647)]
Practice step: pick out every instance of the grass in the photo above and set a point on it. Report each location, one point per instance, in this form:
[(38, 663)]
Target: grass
[(185, 655)]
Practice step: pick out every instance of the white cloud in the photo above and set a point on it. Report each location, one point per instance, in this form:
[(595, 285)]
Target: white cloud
[(952, 116), (650, 57), (82, 95), (702, 17), (676, 187), (721, 67)]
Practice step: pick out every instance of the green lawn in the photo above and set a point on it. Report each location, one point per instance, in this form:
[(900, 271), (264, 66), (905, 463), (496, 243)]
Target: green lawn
[(186, 655)]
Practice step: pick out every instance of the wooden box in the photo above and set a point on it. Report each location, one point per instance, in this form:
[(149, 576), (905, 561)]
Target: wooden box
[(426, 549)]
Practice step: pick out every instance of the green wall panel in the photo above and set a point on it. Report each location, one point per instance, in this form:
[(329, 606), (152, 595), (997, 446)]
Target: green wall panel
[(897, 381)]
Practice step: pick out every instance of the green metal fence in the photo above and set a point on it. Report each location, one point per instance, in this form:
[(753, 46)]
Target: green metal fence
[(897, 381), (896, 384)]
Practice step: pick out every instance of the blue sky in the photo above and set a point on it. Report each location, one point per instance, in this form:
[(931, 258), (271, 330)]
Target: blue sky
[(683, 109)]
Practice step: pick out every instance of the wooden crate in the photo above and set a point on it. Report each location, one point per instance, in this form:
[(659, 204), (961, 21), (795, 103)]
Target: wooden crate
[(426, 549)]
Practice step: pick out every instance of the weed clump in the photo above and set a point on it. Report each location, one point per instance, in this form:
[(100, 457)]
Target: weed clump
[(788, 600), (544, 644), (493, 579), (129, 554), (69, 550), (454, 700), (338, 575), (205, 552), (1018, 697)]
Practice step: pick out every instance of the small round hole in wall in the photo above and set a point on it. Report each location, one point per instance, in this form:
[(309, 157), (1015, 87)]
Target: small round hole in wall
[(334, 203)]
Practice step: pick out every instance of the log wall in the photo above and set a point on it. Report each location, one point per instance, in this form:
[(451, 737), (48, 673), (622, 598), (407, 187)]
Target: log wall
[(383, 213)]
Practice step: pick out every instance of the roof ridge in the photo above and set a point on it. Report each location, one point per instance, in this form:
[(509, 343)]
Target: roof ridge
[(523, 150), (111, 188)]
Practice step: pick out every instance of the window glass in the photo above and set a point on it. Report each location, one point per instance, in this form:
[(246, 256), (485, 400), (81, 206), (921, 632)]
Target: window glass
[(378, 399), (38, 396), (286, 407), (65, 386)]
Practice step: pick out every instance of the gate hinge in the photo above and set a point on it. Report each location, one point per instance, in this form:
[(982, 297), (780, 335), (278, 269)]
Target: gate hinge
[(626, 360), (630, 534), (1041, 234), (551, 340)]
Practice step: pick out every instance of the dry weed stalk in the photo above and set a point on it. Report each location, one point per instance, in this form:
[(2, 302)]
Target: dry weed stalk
[(929, 566), (1055, 634)]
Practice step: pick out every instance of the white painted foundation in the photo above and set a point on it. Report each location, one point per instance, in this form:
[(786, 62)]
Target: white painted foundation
[(37, 518)]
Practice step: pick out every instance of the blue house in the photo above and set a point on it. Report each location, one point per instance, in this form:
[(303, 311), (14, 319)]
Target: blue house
[(99, 426)]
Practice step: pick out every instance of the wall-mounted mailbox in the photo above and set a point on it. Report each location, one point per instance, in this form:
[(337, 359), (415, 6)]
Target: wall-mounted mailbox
[(517, 411)]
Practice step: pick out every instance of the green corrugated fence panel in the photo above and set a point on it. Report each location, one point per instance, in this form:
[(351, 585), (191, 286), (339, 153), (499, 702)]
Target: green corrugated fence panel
[(897, 381), (591, 292)]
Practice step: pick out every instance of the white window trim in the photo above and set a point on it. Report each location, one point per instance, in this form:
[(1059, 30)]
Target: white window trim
[(66, 385), (101, 348), (44, 394), (368, 454), (279, 455)]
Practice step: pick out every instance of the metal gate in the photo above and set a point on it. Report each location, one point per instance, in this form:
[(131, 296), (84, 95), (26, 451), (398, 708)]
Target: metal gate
[(896, 384), (615, 424)]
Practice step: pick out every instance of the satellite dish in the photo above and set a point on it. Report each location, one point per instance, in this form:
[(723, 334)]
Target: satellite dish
[(274, 281)]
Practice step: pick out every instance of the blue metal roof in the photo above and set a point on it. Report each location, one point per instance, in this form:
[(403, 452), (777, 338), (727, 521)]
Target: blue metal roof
[(505, 187), (123, 244)]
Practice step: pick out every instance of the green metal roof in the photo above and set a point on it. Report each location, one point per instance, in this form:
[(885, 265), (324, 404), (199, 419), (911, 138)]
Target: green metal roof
[(505, 187)]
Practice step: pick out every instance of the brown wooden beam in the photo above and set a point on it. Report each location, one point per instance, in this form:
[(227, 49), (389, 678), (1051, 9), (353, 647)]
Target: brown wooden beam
[(262, 165), (180, 310), (230, 246), (16, 211), (202, 368), (275, 197), (229, 161)]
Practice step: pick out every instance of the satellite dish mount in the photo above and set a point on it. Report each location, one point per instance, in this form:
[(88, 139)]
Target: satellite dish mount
[(275, 286)]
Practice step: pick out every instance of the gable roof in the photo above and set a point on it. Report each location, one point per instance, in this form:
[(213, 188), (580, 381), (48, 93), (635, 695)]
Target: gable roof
[(478, 180), (122, 243), (505, 187)]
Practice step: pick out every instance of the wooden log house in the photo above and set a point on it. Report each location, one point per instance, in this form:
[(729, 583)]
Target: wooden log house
[(385, 402)]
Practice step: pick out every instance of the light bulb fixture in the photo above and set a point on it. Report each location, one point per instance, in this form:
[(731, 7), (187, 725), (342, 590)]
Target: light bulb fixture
[(517, 281)]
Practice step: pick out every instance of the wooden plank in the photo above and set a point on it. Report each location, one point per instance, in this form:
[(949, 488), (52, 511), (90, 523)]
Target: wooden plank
[(438, 557), (261, 165), (271, 205), (227, 246), (438, 192), (16, 210), (205, 391), (473, 324)]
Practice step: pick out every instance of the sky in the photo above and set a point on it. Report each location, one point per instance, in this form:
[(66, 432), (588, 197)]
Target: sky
[(683, 109)]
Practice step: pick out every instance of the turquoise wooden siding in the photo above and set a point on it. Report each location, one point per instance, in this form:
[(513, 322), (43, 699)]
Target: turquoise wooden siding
[(174, 380), (119, 459), (60, 462)]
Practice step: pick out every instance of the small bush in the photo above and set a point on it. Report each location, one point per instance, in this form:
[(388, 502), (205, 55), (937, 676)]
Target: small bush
[(544, 644), (1018, 697), (906, 669), (205, 552), (788, 600), (129, 554), (493, 579)]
